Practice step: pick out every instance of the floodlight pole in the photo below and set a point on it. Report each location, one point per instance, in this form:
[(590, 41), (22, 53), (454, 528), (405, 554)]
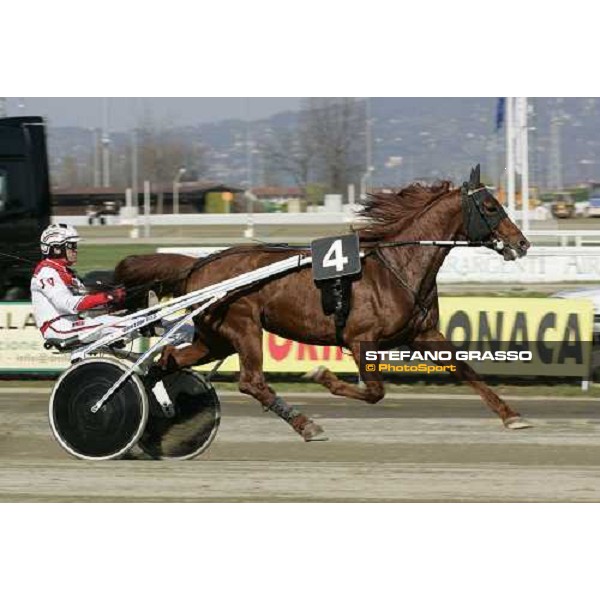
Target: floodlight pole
[(523, 137), (146, 208), (105, 145), (176, 183), (510, 157)]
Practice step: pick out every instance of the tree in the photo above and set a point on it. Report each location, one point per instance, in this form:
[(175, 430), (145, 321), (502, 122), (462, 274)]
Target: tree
[(69, 173), (335, 127), (163, 151), (291, 152), (326, 145)]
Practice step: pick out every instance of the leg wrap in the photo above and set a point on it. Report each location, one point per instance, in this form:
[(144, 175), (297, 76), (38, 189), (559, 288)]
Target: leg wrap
[(282, 409)]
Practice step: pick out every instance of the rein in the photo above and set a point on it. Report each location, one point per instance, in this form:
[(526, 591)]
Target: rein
[(16, 258), (135, 290), (442, 243)]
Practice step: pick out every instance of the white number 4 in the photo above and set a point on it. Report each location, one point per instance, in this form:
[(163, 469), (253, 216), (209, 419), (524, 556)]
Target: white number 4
[(335, 256)]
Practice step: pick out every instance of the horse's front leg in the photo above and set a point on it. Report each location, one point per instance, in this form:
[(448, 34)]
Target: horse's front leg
[(433, 340), (371, 392)]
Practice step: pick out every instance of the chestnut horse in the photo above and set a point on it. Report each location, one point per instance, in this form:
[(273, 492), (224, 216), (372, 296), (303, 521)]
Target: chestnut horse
[(394, 302)]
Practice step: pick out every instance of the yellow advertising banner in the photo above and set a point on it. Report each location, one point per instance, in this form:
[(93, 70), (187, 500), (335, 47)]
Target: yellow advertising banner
[(560, 329), (558, 332)]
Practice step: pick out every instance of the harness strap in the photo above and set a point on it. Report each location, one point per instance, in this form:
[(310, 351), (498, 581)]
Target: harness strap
[(339, 313), (422, 307)]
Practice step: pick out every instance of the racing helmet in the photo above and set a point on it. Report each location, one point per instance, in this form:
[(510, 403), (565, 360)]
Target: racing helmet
[(55, 238)]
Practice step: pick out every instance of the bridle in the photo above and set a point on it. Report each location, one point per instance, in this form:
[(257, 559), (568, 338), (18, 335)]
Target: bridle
[(479, 225)]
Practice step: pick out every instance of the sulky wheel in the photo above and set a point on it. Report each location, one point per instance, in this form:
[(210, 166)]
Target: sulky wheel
[(111, 431), (193, 427)]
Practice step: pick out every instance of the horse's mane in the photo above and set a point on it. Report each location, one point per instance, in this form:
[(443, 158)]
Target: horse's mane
[(390, 213), (387, 214)]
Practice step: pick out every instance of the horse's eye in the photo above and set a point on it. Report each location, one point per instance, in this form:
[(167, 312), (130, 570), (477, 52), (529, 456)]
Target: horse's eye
[(491, 208)]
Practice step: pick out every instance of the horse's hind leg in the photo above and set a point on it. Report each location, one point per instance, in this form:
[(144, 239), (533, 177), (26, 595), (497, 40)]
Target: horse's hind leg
[(172, 358), (433, 340), (204, 349), (372, 391), (253, 382)]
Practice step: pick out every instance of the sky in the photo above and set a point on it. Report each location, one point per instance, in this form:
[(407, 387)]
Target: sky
[(123, 112)]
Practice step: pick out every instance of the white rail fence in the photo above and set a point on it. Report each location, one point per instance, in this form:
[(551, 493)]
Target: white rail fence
[(544, 237), (311, 218)]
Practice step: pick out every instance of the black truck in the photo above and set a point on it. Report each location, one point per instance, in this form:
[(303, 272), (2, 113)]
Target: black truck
[(24, 202)]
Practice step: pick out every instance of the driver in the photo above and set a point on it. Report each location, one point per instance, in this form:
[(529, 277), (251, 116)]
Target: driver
[(59, 298)]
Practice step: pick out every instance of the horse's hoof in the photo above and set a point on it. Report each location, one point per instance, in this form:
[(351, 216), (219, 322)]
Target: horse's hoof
[(315, 374), (130, 455), (313, 433), (517, 423)]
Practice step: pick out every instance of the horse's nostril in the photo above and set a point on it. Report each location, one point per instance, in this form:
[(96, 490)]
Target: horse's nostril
[(524, 244)]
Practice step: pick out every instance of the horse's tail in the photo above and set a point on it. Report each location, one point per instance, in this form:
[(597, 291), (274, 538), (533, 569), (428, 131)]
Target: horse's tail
[(164, 274)]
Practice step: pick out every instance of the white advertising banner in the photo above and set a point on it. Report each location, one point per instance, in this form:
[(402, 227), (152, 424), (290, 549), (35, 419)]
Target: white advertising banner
[(21, 344), (541, 265)]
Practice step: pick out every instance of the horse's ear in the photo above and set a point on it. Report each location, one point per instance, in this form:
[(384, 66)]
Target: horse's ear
[(474, 180)]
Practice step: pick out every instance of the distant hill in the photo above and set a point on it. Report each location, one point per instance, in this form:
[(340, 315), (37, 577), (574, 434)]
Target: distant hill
[(413, 138)]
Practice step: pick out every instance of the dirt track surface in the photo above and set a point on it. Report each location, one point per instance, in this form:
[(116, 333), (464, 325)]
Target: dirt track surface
[(404, 449)]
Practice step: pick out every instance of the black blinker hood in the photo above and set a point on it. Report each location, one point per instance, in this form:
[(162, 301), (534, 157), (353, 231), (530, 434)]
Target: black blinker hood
[(479, 224)]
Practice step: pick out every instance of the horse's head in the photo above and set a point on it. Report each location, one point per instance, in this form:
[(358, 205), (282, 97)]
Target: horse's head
[(485, 220)]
